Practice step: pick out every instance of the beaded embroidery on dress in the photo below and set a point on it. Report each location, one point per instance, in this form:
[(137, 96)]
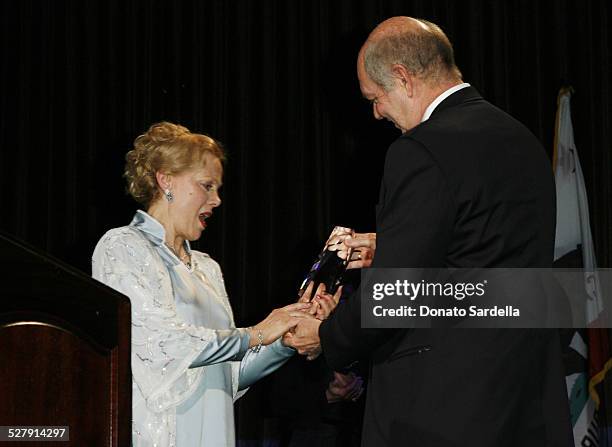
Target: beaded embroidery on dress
[(163, 346)]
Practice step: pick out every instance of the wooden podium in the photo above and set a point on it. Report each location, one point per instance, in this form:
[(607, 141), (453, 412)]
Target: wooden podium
[(64, 350)]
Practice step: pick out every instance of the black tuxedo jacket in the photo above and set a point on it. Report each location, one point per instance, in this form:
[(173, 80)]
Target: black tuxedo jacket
[(470, 187)]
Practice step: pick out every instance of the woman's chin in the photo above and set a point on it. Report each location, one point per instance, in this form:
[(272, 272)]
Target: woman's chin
[(197, 234)]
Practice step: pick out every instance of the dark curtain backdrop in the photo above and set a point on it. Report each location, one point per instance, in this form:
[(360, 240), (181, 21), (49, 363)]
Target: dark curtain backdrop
[(275, 82)]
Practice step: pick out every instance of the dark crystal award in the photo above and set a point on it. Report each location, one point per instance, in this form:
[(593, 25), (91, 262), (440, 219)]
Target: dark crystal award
[(329, 268)]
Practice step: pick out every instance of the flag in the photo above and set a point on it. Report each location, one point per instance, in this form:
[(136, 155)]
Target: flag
[(586, 386)]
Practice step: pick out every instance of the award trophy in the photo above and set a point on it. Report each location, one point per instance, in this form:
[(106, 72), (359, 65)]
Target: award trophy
[(329, 268)]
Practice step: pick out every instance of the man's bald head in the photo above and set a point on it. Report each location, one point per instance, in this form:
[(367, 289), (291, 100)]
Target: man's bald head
[(419, 45)]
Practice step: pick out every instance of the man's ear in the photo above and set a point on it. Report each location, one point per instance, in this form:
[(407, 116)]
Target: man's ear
[(164, 181), (404, 77)]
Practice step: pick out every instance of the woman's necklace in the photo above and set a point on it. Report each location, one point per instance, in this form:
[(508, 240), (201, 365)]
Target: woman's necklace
[(185, 259)]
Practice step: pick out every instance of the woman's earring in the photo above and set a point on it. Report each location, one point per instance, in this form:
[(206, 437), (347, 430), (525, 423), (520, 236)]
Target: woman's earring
[(169, 196)]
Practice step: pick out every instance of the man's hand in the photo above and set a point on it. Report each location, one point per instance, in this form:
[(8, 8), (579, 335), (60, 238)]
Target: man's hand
[(326, 303), (361, 245), (323, 303), (305, 337), (344, 387)]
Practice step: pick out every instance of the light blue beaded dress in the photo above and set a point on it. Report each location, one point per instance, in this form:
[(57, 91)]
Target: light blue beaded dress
[(204, 415)]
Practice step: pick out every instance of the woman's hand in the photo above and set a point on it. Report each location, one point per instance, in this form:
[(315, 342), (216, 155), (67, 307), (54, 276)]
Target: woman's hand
[(277, 323)]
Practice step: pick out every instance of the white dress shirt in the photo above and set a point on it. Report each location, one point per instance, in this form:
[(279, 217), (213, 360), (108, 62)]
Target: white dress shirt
[(431, 107)]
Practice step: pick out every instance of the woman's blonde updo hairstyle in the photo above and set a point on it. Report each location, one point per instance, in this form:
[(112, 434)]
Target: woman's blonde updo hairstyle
[(168, 148)]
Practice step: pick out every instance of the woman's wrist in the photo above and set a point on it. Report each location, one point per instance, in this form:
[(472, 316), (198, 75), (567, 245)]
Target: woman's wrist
[(256, 339)]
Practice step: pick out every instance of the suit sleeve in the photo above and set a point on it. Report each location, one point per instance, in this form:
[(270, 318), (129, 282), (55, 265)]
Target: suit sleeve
[(413, 229)]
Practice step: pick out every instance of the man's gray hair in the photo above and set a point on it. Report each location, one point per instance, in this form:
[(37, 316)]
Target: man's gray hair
[(426, 53)]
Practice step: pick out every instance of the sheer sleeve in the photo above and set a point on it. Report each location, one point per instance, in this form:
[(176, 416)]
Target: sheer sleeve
[(163, 346)]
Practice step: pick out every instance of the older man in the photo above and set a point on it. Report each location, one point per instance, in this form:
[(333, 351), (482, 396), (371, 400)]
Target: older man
[(465, 185)]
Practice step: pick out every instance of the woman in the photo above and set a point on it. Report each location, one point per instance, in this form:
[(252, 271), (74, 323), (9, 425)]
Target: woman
[(189, 361)]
